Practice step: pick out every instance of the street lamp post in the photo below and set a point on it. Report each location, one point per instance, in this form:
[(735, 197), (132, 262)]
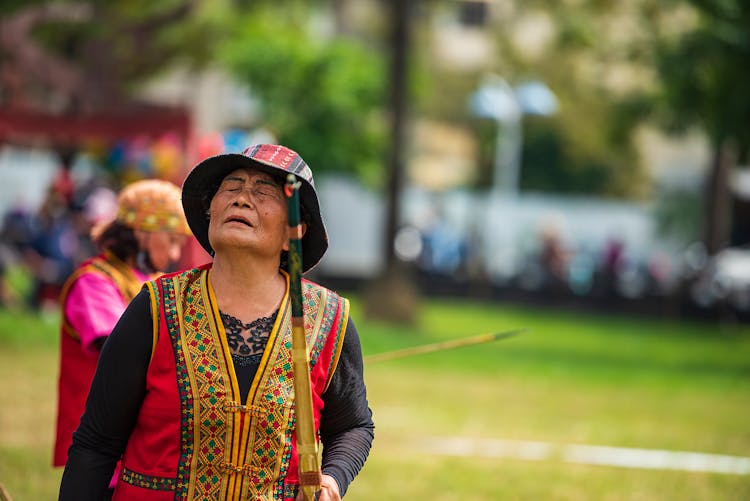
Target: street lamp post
[(507, 105)]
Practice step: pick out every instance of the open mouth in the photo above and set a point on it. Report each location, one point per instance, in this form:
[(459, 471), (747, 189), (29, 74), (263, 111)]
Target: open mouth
[(238, 219)]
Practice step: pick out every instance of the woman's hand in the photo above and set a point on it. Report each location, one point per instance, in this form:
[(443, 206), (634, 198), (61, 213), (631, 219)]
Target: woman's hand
[(329, 490)]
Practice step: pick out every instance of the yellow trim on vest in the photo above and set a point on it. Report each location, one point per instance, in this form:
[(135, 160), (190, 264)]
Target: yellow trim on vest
[(271, 342), (270, 400), (340, 343), (66, 327), (110, 267), (250, 425), (193, 384), (150, 287), (231, 454)]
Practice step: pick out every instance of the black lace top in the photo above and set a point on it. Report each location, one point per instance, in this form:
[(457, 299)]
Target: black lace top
[(246, 344)]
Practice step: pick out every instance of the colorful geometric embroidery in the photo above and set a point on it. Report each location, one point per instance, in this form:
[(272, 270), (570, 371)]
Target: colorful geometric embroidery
[(311, 300), (266, 436), (328, 315), (169, 309), (275, 432), (290, 491), (209, 375), (341, 308), (269, 434), (147, 481)]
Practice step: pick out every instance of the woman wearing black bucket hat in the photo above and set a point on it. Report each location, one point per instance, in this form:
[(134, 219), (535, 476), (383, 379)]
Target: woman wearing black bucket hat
[(194, 386)]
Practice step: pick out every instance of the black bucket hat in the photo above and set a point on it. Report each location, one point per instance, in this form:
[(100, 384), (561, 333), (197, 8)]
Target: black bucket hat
[(201, 185)]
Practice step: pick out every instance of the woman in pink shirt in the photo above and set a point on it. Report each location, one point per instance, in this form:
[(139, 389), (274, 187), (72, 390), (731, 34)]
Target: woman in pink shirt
[(145, 238)]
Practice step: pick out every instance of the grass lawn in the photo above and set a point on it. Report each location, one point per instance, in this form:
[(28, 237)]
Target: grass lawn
[(572, 378)]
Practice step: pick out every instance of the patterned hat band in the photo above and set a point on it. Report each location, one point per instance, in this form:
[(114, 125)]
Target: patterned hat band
[(280, 158), (152, 205)]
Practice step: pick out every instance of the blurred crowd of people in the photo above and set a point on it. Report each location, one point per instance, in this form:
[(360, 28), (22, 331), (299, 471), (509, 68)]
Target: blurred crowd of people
[(46, 245), (50, 242), (552, 267)]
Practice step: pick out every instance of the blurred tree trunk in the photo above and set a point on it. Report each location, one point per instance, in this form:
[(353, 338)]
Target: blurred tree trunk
[(718, 199), (393, 296), (339, 16), (399, 45)]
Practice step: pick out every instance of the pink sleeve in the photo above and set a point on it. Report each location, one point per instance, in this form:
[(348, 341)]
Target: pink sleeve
[(93, 307)]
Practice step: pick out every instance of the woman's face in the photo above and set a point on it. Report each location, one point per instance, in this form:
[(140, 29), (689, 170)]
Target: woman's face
[(249, 210), (164, 248)]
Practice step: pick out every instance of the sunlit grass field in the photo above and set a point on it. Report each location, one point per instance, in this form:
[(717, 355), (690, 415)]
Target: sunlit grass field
[(571, 378)]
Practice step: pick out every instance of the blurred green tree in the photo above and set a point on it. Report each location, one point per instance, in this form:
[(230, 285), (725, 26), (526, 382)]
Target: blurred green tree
[(587, 147), (705, 76), (319, 93)]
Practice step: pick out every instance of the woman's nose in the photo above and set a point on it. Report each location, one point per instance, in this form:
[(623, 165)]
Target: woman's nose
[(244, 197)]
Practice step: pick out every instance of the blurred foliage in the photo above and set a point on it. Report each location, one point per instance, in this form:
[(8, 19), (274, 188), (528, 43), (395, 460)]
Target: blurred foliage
[(114, 45), (612, 65), (551, 167), (705, 73), (678, 213), (319, 93), (617, 65), (587, 147)]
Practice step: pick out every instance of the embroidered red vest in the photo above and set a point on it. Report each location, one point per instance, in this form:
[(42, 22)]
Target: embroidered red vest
[(194, 438), (77, 367)]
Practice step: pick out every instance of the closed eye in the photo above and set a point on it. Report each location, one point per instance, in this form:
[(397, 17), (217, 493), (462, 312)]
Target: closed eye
[(267, 188), (259, 188), (232, 185)]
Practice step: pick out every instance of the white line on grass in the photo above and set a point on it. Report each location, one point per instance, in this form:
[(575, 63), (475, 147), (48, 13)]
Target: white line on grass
[(587, 454)]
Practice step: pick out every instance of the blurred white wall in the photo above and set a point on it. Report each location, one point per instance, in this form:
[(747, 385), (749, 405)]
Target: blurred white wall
[(26, 174), (355, 220), (502, 231)]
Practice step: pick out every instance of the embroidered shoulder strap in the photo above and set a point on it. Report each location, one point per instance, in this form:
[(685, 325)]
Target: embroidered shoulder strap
[(326, 316), (185, 314)]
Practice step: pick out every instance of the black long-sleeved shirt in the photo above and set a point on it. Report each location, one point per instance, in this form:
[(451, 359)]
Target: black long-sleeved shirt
[(119, 386)]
